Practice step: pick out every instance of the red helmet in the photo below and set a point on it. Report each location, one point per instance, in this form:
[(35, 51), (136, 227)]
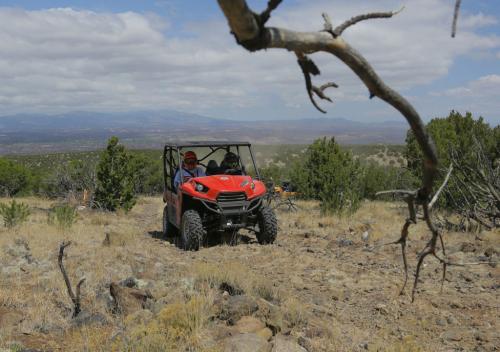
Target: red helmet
[(190, 155)]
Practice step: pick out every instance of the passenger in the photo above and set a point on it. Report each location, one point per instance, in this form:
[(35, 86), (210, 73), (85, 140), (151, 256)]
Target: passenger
[(231, 164), (190, 169)]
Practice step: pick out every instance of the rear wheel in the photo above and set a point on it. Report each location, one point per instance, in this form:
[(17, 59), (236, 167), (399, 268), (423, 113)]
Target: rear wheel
[(169, 230), (192, 232), (268, 226)]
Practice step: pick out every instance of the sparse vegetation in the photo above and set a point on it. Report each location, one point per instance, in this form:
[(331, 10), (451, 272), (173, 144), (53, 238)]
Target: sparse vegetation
[(62, 215), (14, 213), (316, 284)]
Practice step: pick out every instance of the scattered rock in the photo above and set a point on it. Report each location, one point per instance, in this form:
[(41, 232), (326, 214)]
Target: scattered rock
[(363, 345), (249, 324), (441, 321), (382, 309), (365, 236), (232, 290), (235, 307), (265, 333), (271, 315), (86, 318), (283, 344), (344, 242), (246, 343), (128, 300), (467, 247), (490, 252), (132, 282), (452, 335)]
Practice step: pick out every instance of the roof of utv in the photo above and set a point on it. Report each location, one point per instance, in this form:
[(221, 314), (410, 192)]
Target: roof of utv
[(206, 144)]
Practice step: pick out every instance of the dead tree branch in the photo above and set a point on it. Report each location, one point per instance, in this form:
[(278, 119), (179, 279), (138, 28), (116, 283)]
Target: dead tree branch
[(253, 36), (341, 28), (74, 298), (455, 18), (443, 185)]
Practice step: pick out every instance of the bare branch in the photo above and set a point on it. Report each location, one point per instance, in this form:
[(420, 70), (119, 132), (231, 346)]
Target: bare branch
[(309, 68), (443, 185), (253, 37), (328, 23), (341, 28), (74, 298), (266, 14), (455, 18), (403, 192)]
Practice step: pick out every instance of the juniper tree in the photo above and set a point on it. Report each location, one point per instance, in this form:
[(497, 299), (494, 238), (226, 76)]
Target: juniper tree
[(115, 179)]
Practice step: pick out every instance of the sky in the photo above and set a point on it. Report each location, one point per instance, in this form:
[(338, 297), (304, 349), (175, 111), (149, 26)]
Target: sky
[(112, 56)]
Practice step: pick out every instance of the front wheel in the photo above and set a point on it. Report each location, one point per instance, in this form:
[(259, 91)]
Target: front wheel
[(192, 231), (268, 225)]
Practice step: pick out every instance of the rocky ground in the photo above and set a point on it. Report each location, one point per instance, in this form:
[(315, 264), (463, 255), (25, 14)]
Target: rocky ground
[(327, 284)]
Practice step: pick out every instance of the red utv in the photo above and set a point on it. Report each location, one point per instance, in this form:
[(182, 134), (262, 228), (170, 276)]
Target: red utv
[(224, 201)]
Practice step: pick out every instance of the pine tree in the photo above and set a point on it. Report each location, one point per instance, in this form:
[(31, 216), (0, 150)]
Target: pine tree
[(115, 179), (331, 176)]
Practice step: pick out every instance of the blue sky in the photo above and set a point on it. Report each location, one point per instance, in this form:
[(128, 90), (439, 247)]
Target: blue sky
[(60, 56)]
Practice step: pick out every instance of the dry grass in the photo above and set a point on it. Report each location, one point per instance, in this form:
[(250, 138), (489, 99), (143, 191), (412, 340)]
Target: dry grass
[(337, 297)]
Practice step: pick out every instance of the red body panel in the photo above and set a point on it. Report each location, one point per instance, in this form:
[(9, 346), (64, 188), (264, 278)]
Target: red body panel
[(223, 183)]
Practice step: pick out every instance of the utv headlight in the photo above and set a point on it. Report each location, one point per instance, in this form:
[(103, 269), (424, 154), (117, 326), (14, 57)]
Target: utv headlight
[(199, 187), (252, 185)]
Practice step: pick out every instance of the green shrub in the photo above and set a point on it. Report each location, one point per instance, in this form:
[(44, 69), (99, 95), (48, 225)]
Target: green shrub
[(330, 175), (14, 214), (14, 178), (63, 215), (115, 178), (460, 134), (378, 178)]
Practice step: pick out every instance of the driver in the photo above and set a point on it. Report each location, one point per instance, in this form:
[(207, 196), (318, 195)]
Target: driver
[(190, 168), (231, 162)]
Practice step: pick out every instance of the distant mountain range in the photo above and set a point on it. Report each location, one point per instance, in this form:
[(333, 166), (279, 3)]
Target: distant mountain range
[(35, 133)]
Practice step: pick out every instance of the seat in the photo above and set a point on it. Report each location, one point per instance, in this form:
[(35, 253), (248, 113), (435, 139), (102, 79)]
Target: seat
[(212, 168)]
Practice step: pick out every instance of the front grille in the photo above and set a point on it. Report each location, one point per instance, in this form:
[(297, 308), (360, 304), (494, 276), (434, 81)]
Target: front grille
[(231, 197), (232, 203)]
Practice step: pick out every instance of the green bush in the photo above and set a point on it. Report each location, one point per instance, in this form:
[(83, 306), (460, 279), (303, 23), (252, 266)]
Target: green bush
[(14, 178), (330, 175), (460, 134), (378, 178), (115, 178), (148, 174), (62, 215), (14, 214)]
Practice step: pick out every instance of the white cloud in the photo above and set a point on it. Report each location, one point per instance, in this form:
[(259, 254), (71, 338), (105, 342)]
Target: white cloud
[(480, 96), (63, 59), (486, 86), (478, 20)]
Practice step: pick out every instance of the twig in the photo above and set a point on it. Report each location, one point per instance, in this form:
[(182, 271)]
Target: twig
[(74, 298), (455, 18), (341, 28), (443, 185), (266, 14), (309, 68)]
